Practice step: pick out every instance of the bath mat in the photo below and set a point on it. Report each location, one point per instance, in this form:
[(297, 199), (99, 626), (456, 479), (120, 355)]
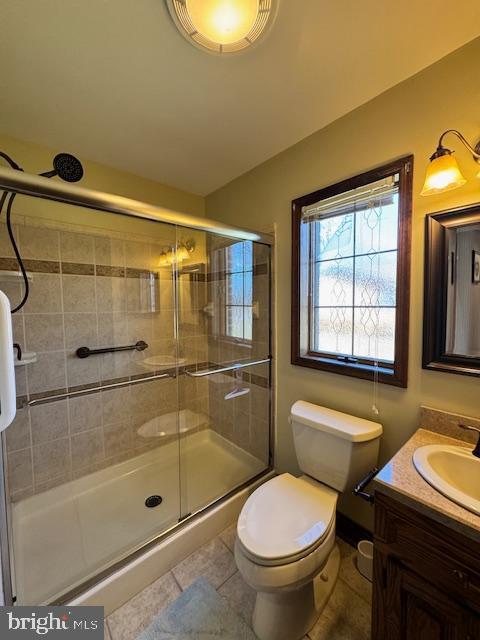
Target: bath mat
[(199, 613)]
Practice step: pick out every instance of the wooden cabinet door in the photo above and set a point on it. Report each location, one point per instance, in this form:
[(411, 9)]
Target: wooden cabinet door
[(412, 609), (473, 628)]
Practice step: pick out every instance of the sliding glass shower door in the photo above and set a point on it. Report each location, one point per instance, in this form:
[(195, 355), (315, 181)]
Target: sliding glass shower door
[(92, 458), (143, 389), (224, 345)]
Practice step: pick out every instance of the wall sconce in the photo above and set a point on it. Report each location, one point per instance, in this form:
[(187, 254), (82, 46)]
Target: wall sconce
[(173, 255), (443, 172), (166, 258)]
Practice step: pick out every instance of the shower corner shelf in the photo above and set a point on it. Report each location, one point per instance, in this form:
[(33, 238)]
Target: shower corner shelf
[(13, 276), (28, 357)]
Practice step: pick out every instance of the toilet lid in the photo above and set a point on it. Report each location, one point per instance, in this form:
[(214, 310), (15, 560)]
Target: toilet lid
[(286, 517)]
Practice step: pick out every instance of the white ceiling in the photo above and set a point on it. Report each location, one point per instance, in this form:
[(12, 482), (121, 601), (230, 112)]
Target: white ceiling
[(112, 81)]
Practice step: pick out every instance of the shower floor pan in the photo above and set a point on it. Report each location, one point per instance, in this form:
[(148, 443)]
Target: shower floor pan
[(66, 535)]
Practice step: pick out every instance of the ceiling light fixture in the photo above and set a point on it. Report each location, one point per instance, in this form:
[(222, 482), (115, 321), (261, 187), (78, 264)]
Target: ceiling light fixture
[(222, 26), (443, 172)]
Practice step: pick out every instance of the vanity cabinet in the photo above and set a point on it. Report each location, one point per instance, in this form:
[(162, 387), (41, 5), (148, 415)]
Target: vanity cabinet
[(426, 577)]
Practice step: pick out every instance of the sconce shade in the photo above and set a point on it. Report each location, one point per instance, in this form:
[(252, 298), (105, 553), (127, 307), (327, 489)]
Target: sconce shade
[(443, 174), (172, 255)]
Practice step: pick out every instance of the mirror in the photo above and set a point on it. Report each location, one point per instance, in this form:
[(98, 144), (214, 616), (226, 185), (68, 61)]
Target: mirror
[(452, 291)]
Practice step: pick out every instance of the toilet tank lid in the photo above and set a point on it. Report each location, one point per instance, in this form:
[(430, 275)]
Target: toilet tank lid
[(340, 424)]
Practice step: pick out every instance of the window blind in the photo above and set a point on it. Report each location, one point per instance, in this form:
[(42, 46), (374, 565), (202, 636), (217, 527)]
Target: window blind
[(375, 194)]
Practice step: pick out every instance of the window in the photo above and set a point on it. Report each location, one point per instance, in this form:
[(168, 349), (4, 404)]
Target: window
[(351, 266), (234, 318), (239, 290)]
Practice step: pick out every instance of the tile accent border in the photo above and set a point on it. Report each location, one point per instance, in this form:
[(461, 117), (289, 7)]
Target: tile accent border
[(139, 273), (36, 266), (77, 269), (110, 272), (74, 268)]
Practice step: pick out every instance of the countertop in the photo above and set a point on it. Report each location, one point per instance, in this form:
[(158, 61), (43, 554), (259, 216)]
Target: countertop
[(400, 480)]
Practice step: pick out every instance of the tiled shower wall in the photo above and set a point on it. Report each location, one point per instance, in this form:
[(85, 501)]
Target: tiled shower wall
[(92, 289), (243, 420), (97, 288)]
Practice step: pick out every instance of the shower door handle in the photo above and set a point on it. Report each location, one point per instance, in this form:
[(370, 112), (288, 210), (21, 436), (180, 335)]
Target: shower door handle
[(232, 367), (8, 399)]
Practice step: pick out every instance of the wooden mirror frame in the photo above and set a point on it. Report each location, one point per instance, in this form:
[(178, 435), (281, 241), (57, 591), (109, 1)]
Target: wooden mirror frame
[(435, 292)]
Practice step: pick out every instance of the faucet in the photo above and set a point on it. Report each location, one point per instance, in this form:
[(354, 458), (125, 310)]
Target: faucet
[(476, 451)]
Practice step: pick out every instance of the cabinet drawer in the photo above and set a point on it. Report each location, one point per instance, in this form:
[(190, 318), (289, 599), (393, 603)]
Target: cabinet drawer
[(435, 552)]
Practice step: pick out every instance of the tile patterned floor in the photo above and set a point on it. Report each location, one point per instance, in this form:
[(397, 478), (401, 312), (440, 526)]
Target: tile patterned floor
[(346, 616)]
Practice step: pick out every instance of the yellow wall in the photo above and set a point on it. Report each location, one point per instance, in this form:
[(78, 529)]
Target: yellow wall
[(406, 119), (35, 159)]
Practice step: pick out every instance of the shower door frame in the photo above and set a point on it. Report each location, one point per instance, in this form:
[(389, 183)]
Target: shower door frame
[(39, 187)]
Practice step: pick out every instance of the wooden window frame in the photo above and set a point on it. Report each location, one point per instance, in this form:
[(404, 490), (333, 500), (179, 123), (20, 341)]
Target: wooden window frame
[(395, 374)]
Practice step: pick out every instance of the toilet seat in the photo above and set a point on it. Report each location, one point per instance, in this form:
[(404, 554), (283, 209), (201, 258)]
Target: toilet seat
[(288, 576), (285, 520)]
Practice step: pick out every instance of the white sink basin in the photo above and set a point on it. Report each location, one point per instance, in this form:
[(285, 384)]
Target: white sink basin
[(453, 471)]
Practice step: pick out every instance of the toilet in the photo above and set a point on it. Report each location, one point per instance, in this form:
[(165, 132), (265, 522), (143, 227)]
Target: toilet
[(285, 547)]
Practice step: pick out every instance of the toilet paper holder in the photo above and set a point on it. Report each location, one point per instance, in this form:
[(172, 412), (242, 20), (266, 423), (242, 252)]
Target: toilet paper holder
[(359, 489)]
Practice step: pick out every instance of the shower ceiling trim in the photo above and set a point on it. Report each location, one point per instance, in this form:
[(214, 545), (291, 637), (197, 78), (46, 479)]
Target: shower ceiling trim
[(39, 187), (220, 18)]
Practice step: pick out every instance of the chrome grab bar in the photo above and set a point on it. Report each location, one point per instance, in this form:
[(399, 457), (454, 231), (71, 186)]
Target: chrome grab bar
[(83, 392), (86, 352), (232, 367)]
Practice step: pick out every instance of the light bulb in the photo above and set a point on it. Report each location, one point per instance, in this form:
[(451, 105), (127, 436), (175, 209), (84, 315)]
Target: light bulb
[(163, 260), (223, 21), (182, 253)]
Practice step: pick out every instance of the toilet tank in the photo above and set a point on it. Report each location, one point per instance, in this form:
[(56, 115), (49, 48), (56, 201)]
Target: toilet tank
[(335, 448)]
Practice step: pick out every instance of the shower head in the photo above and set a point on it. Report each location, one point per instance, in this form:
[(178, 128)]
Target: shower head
[(66, 167)]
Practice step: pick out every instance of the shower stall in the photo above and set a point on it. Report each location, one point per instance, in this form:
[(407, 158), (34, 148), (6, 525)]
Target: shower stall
[(143, 380)]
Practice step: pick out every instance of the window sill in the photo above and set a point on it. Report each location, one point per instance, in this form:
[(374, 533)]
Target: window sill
[(352, 369)]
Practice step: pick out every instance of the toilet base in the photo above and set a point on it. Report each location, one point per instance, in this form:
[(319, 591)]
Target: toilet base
[(289, 615)]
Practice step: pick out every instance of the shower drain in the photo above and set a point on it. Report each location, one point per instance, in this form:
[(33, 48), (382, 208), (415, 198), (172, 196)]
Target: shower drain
[(153, 501)]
